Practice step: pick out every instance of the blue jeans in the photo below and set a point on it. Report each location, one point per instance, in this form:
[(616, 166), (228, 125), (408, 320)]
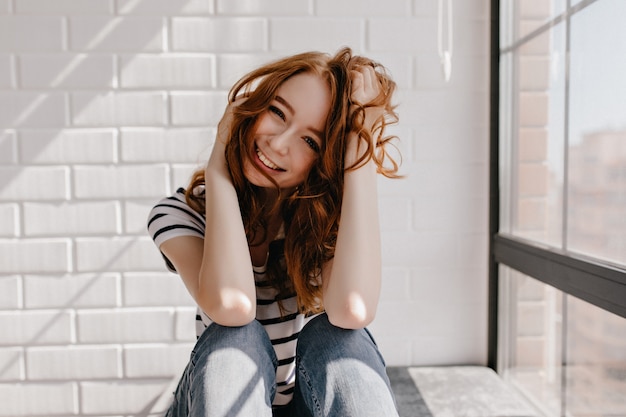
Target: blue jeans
[(232, 372)]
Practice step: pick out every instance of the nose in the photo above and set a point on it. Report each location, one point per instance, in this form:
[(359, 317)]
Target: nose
[(279, 143)]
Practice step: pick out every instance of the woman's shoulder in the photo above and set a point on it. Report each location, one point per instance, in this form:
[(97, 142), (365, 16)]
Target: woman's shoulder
[(172, 217)]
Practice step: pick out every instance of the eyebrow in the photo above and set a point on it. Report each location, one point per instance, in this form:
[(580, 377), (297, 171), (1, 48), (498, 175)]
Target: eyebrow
[(284, 102)]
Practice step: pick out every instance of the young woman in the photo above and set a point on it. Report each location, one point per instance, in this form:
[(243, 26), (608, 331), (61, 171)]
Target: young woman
[(277, 240)]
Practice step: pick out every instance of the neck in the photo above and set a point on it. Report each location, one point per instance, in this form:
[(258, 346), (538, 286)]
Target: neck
[(272, 200), (270, 194)]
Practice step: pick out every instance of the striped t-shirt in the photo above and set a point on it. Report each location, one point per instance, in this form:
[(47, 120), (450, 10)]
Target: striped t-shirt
[(172, 217)]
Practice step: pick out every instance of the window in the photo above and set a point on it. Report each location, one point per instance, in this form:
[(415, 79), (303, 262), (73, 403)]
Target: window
[(559, 247), (566, 355)]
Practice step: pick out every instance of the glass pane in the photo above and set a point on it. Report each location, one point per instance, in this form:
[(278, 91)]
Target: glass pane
[(539, 94), (530, 325), (521, 17), (597, 132), (596, 361)]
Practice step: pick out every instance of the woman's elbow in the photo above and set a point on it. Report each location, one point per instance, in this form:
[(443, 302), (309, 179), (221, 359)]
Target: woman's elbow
[(350, 321), (230, 308), (355, 314)]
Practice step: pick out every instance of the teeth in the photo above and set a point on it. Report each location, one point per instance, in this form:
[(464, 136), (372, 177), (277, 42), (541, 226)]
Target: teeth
[(266, 161)]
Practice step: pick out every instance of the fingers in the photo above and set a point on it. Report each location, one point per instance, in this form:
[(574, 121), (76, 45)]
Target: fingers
[(369, 78), (358, 86), (365, 84), (225, 122)]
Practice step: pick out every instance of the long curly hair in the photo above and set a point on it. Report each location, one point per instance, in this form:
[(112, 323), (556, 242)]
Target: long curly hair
[(311, 214)]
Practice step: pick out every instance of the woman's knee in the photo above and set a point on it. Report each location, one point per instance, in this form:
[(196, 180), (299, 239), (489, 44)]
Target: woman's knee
[(251, 339), (341, 371), (320, 338), (231, 367)]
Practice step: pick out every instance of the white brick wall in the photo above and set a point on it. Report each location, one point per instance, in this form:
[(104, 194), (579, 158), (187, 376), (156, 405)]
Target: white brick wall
[(167, 71), (5, 71), (108, 105), (63, 7), (8, 220), (73, 146), (66, 71), (126, 108), (32, 109), (75, 290), (116, 34), (75, 362), (31, 33), (164, 7), (241, 34)]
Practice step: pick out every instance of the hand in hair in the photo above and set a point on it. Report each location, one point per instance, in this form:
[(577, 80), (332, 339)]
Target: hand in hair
[(365, 85), (366, 91), (366, 112), (226, 290), (217, 159), (351, 280)]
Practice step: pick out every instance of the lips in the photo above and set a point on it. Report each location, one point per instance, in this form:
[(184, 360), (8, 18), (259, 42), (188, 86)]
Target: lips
[(267, 162)]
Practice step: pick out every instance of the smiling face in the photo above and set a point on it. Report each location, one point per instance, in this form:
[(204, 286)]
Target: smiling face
[(288, 136)]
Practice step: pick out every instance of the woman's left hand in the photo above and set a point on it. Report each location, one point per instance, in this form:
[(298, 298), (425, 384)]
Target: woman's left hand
[(366, 87), (351, 288)]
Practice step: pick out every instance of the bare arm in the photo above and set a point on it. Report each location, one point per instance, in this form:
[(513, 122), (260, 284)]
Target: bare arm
[(185, 253), (352, 279), (217, 271), (226, 290)]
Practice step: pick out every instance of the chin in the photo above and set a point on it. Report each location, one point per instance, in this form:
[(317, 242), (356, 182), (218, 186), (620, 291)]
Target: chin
[(257, 179)]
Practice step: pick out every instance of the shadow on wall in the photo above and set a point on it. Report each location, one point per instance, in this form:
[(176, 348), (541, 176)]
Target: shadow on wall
[(85, 285), (74, 95)]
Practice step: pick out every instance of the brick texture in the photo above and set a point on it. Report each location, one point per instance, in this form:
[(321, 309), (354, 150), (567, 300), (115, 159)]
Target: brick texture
[(9, 220), (164, 7), (6, 71), (38, 399), (10, 296), (71, 71), (106, 106), (167, 71), (72, 146), (31, 33), (116, 34), (34, 255), (12, 365), (71, 290), (195, 34), (144, 108), (33, 109), (76, 362), (326, 34), (63, 7)]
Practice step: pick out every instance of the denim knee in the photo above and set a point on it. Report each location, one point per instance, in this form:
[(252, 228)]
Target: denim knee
[(231, 370), (340, 372), (249, 339), (322, 339)]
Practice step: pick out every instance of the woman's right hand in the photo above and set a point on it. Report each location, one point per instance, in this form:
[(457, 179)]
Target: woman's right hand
[(217, 158), (226, 290)]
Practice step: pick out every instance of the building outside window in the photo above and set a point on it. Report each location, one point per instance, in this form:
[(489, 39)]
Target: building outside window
[(561, 246)]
